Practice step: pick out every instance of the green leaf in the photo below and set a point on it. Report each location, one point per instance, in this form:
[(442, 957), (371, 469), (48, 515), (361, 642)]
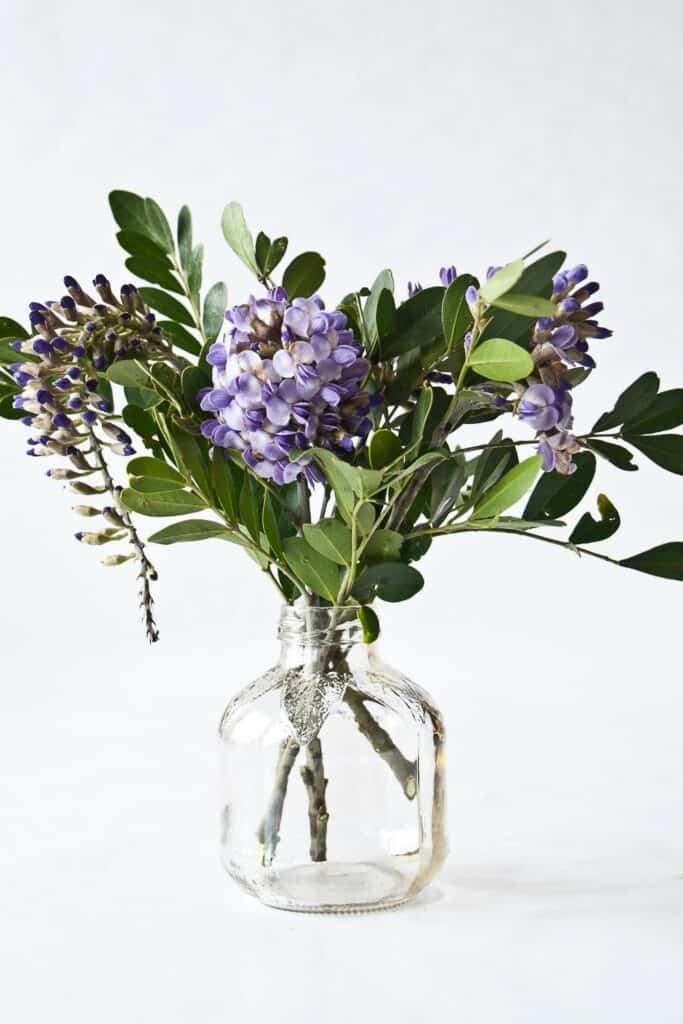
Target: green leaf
[(312, 569), (175, 503), (167, 382), (139, 245), (343, 478), (270, 525), (143, 425), (384, 546), (384, 282), (167, 305), (365, 518), (153, 485), (496, 459), (509, 489), (227, 482), (214, 310), (501, 360), (9, 328), (369, 623), (384, 448), (191, 454), (590, 531), (665, 450), (269, 254), (420, 414), (666, 560), (190, 530), (159, 226), (330, 538), (554, 495), (144, 216), (238, 236), (304, 275), (143, 397), (10, 355), (7, 412), (261, 249), (153, 270), (179, 337), (415, 548), (502, 281), (390, 581), (185, 237), (194, 272), (128, 372), (278, 248), (250, 507), (618, 456), (531, 306), (144, 465), (456, 316), (446, 483), (192, 380), (417, 325), (664, 413), (636, 399)]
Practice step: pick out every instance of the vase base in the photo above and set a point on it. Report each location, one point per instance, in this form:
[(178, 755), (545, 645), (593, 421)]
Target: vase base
[(332, 887)]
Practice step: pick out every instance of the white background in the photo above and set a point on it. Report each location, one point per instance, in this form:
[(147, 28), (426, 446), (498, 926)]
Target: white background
[(402, 134)]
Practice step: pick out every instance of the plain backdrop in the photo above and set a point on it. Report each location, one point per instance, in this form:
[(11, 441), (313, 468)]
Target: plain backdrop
[(384, 134)]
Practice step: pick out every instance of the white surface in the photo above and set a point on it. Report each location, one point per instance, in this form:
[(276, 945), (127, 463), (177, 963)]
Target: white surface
[(398, 134)]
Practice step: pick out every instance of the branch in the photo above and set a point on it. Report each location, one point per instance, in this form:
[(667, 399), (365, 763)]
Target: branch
[(313, 775), (269, 830)]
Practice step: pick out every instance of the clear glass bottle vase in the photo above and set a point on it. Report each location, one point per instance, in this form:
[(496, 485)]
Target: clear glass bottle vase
[(332, 774)]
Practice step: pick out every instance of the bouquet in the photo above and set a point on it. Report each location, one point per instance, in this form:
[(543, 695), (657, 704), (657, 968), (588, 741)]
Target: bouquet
[(323, 440)]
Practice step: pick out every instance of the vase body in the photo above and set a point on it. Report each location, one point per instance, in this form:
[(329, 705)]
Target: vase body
[(332, 774)]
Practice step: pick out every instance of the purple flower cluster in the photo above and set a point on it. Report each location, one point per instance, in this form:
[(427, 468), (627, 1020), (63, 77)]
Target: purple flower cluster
[(286, 377), (559, 343), (75, 339)]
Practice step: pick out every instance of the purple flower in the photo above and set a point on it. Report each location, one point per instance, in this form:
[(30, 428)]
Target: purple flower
[(447, 275), (286, 376), (413, 288), (544, 407), (574, 314), (557, 450)]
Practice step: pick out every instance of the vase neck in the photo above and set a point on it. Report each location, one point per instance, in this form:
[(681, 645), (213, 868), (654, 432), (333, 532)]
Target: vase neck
[(325, 639)]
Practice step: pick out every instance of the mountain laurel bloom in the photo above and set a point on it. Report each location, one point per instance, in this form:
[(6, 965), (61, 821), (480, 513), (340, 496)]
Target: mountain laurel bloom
[(287, 377), (558, 344)]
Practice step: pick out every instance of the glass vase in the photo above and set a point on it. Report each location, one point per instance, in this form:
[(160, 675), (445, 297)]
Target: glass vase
[(332, 774)]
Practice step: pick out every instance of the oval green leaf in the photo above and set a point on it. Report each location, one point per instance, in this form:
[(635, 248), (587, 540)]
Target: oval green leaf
[(501, 360), (509, 489)]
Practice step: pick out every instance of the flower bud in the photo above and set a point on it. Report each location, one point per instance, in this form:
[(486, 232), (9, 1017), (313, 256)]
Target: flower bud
[(117, 559)]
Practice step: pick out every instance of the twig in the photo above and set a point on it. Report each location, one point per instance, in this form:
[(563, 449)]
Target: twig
[(382, 743), (313, 775), (269, 830)]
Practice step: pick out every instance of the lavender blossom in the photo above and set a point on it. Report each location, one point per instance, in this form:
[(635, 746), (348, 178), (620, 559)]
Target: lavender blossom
[(560, 342), (286, 377), (557, 450), (544, 407)]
